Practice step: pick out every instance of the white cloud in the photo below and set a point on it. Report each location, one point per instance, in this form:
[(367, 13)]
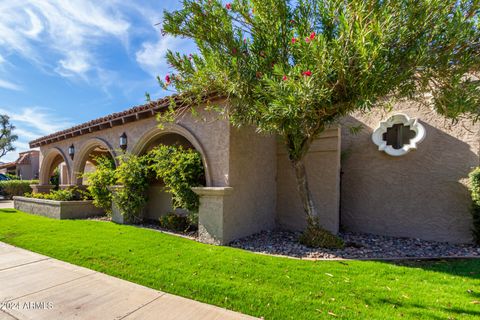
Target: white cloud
[(32, 123), (58, 32), (151, 57), (9, 85), (38, 121)]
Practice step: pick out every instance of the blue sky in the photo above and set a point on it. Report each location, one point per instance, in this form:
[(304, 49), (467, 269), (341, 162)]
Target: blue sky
[(67, 62)]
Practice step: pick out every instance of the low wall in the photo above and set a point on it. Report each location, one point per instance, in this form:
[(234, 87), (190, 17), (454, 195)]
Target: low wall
[(57, 209)]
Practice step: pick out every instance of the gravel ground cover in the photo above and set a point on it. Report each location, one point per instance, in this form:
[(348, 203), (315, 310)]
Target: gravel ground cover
[(357, 246)]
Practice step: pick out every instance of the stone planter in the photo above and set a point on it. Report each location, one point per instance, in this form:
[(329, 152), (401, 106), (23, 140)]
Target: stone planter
[(57, 209)]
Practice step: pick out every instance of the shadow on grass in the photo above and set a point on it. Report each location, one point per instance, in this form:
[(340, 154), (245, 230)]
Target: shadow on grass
[(8, 210), (469, 268), (431, 310)]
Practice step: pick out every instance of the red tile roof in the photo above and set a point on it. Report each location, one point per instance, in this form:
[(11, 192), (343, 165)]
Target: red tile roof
[(133, 114), (146, 110), (8, 165)]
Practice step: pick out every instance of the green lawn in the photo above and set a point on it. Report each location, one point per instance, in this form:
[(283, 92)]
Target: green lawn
[(273, 287)]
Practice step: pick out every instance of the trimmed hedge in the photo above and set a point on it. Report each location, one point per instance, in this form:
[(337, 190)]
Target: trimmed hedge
[(12, 188), (70, 194)]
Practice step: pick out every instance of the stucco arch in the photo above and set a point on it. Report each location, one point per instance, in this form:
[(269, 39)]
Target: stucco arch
[(170, 128), (82, 157), (47, 162)]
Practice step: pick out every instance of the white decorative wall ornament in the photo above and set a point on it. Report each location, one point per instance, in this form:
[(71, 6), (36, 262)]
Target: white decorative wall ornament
[(398, 135)]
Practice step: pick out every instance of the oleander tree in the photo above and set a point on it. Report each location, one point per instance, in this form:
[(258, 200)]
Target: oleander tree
[(7, 138), (293, 68)]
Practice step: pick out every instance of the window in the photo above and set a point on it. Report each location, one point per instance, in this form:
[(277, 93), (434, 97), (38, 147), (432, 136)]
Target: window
[(398, 135)]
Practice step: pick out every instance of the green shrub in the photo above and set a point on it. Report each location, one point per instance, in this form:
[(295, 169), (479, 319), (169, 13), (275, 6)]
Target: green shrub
[(475, 209), (12, 176), (99, 182), (12, 188), (70, 194), (55, 179), (176, 222), (180, 169), (315, 236), (131, 174)]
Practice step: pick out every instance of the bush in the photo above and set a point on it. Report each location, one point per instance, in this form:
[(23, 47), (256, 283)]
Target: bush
[(55, 179), (176, 222), (99, 181), (180, 169), (12, 176), (70, 194), (475, 209), (12, 188), (317, 237), (131, 198)]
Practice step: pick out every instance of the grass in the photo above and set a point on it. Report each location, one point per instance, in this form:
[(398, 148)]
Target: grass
[(272, 287)]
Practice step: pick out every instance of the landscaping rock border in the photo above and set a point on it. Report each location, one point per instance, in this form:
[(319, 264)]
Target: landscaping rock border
[(357, 246)]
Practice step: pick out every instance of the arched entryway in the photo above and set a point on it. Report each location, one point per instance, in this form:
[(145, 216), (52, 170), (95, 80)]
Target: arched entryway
[(85, 160), (160, 202), (55, 160)]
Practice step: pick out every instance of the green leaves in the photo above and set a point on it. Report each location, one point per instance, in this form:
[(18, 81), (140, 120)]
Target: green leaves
[(180, 169), (98, 182), (292, 68), (131, 197), (7, 138), (361, 51)]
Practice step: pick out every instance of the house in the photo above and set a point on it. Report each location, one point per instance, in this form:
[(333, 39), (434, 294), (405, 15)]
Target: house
[(403, 172), (26, 166)]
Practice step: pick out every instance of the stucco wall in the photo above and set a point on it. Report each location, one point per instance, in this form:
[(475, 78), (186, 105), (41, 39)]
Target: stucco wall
[(323, 172), (422, 194), (29, 171), (250, 207), (159, 202)]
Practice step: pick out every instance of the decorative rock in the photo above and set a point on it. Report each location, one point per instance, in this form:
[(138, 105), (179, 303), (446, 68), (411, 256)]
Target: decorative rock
[(357, 246)]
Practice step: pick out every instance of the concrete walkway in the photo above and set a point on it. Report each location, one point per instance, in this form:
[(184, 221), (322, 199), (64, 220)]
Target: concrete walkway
[(6, 204), (33, 286)]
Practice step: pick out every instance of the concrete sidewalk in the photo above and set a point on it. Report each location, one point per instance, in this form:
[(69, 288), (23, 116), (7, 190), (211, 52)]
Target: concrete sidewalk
[(33, 286), (6, 204)]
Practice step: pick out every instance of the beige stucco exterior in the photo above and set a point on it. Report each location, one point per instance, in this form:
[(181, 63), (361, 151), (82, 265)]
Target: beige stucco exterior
[(26, 166), (423, 194), (250, 184), (323, 171)]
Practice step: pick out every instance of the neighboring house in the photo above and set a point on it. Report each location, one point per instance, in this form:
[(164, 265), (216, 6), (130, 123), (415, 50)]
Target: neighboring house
[(402, 173), (26, 166)]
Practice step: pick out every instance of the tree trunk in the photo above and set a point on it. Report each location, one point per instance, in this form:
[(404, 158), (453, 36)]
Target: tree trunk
[(304, 191)]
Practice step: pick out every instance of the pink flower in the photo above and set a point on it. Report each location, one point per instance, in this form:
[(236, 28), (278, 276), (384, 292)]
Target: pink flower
[(292, 21), (310, 38), (167, 79), (234, 51), (284, 78), (228, 6), (307, 73), (294, 40)]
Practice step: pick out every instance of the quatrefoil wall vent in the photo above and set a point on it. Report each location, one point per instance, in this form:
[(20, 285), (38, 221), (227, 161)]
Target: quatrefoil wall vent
[(398, 135)]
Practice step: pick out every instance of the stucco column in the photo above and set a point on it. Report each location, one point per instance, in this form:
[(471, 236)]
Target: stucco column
[(63, 174), (211, 214), (42, 188)]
